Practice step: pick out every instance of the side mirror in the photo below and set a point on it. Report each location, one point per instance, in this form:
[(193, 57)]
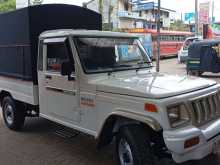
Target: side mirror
[(67, 69)]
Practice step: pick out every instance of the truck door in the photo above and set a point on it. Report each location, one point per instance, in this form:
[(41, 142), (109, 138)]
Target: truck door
[(58, 94)]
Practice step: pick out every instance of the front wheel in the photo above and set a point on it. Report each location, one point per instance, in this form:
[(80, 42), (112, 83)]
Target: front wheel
[(13, 114), (133, 146)]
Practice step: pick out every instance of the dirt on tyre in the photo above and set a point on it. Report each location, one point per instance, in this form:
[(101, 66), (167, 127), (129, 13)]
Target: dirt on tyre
[(13, 114), (133, 146)]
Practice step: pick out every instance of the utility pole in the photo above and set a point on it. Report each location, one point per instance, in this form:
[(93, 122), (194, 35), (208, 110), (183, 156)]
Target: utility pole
[(158, 38), (29, 2), (196, 18), (110, 8), (213, 8)]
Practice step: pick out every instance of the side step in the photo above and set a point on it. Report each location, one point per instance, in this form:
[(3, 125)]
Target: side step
[(66, 133)]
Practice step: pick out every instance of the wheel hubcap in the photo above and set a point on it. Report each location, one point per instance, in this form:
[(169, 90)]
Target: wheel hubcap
[(9, 115), (125, 154)]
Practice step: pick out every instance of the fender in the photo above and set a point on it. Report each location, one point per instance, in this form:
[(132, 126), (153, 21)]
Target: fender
[(152, 123)]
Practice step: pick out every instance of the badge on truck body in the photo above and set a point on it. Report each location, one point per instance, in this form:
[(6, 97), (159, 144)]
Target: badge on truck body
[(87, 100)]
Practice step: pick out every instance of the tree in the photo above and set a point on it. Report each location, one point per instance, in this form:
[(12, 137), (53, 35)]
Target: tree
[(179, 25), (101, 6), (7, 5)]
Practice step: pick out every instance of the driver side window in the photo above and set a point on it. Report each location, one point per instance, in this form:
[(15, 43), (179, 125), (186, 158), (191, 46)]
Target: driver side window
[(57, 54)]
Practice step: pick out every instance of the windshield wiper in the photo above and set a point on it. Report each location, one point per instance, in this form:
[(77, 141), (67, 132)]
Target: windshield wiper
[(143, 62), (119, 68), (122, 65)]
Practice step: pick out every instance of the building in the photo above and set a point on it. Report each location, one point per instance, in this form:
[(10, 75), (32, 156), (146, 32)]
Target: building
[(128, 14), (25, 3), (150, 11), (21, 4)]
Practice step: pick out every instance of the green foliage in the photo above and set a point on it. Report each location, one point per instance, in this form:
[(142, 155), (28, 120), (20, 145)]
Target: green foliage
[(179, 26), (7, 5), (100, 6), (106, 27), (117, 30)]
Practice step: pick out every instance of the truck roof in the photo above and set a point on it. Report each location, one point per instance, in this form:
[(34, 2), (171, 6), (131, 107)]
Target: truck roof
[(85, 33)]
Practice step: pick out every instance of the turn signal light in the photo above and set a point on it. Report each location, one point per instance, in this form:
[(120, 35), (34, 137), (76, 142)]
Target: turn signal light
[(191, 142), (150, 108)]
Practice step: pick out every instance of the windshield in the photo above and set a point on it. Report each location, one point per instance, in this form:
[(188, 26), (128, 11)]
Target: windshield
[(100, 55), (188, 42)]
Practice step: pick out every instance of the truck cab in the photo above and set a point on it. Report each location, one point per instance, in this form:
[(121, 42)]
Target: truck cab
[(104, 84), (69, 67)]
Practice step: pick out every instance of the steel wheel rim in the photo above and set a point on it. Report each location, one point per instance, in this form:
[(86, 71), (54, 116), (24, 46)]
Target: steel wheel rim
[(9, 114), (125, 154)]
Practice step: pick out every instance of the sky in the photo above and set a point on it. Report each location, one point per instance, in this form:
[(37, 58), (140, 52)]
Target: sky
[(180, 6)]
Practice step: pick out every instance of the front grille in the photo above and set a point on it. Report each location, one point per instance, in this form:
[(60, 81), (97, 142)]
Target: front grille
[(206, 108)]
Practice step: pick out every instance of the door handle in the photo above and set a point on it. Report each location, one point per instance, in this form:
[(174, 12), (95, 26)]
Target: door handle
[(49, 77)]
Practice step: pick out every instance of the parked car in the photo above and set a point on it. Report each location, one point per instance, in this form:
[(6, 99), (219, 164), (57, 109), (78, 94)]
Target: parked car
[(183, 52), (204, 56)]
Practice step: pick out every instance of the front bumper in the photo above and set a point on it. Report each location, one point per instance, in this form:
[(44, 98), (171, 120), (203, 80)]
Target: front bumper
[(182, 56), (208, 134), (183, 59)]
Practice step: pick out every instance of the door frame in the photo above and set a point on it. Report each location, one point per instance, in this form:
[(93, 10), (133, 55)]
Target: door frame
[(44, 71)]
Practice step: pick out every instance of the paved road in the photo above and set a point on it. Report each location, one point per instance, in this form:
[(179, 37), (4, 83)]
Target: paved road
[(43, 143), (172, 67)]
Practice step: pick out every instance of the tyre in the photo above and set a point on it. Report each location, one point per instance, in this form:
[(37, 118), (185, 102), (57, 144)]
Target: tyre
[(195, 73), (13, 114), (133, 146), (191, 73), (200, 73)]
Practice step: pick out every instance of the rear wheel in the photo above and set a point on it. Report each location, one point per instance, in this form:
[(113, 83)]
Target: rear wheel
[(13, 114), (133, 146), (195, 73)]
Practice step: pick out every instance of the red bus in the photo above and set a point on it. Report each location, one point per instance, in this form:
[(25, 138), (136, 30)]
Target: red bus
[(171, 41)]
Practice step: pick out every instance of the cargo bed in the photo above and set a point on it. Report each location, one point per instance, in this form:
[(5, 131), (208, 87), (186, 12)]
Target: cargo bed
[(24, 91)]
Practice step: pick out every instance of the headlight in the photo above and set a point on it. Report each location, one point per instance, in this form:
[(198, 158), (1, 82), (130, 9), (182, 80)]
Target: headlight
[(178, 115)]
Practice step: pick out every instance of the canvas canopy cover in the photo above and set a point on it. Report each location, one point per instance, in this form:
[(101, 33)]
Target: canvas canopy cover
[(20, 29)]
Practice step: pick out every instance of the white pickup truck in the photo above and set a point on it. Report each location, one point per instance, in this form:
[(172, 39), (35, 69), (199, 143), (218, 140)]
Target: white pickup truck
[(104, 84)]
